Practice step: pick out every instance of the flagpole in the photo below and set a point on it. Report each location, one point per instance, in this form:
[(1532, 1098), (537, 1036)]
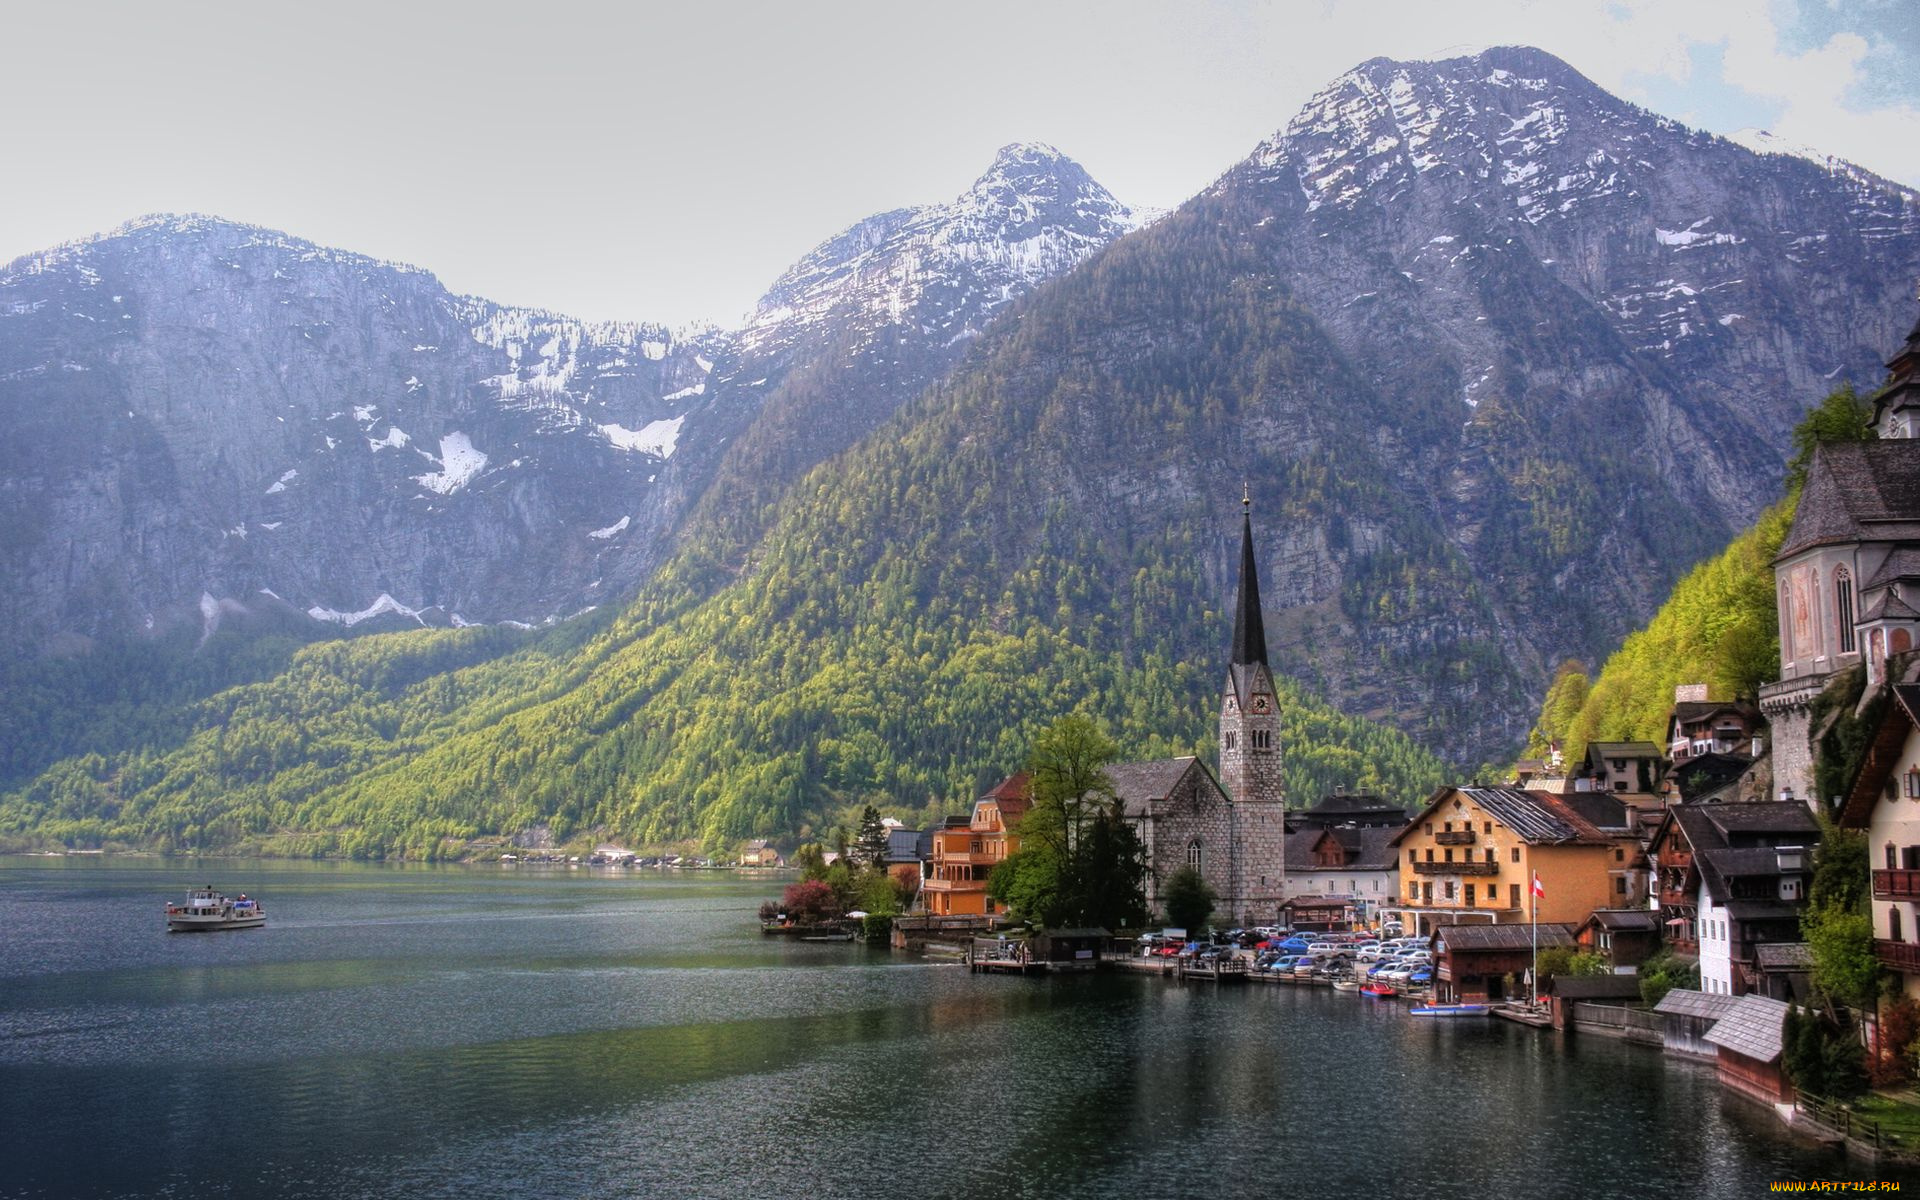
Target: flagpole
[(1533, 899)]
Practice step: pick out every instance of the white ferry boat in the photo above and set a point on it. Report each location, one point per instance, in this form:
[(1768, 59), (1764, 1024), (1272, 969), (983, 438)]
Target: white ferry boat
[(207, 909)]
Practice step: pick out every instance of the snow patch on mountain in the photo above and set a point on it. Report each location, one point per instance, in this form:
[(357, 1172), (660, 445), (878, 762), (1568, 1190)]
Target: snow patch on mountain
[(459, 462), (385, 604), (658, 438)]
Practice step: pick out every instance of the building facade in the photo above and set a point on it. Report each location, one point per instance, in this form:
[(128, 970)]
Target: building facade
[(1885, 802), (964, 855)]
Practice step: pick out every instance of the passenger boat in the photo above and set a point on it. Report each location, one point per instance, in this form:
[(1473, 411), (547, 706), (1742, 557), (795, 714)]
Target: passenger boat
[(1345, 985), (1450, 1010), (207, 910)]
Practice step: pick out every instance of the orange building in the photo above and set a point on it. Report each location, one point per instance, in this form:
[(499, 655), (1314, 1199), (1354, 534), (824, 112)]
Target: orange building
[(964, 855), (1472, 853)]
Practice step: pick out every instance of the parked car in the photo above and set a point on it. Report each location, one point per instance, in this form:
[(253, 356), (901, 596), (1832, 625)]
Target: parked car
[(1421, 975)]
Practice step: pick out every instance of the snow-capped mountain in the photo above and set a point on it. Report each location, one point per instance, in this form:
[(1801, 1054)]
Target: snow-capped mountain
[(203, 418), (870, 317)]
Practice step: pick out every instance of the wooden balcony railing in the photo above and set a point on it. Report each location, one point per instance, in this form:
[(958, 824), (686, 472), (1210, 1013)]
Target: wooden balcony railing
[(1896, 885), (1456, 868), (1897, 956), (1457, 837)]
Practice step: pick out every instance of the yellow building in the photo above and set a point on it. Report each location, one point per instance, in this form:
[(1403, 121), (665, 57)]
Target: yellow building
[(965, 855), (1472, 853)]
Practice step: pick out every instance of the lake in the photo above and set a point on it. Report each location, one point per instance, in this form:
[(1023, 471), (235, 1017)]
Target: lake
[(482, 1031)]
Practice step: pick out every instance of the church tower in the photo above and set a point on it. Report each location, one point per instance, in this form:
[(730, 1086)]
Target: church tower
[(1250, 753)]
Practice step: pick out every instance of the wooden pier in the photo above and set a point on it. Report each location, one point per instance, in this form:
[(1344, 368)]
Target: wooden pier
[(998, 956)]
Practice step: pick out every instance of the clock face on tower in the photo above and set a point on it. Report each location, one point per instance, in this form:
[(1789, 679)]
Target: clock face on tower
[(1260, 705)]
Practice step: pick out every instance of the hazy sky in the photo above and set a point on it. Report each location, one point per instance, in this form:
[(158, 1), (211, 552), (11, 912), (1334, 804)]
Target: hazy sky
[(666, 162)]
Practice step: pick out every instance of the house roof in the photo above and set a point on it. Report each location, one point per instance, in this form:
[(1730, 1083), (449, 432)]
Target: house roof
[(1623, 750), (1367, 849), (1317, 902), (1344, 807), (1501, 937), (1858, 492), (1751, 1027), (1685, 1002), (1783, 956), (1594, 987), (1139, 785), (1886, 606), (1704, 774), (1017, 786), (1624, 920), (1690, 712), (1763, 910), (1603, 810), (903, 845), (1883, 755), (1536, 817)]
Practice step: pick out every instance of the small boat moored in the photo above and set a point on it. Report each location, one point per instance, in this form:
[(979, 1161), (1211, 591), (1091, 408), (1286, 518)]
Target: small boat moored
[(207, 910), (1450, 1010)]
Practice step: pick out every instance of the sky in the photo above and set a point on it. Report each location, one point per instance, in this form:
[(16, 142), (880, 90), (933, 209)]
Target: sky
[(660, 162)]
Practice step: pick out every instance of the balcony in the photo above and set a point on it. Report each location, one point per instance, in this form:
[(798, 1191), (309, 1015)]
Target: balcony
[(1456, 868), (1457, 837), (984, 858), (1896, 885), (1897, 956)]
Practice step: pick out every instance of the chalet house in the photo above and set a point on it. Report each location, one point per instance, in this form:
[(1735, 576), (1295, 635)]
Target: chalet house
[(1701, 726), (1320, 914), (1625, 937), (1885, 802), (1472, 854), (1632, 767), (965, 855), (1479, 964), (1847, 578), (1356, 865), (1748, 873), (760, 853), (1750, 1040), (1715, 778)]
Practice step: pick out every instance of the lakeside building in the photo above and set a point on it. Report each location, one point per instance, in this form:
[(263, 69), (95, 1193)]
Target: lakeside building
[(1472, 854), (1625, 937), (1732, 878), (1884, 801), (964, 855), (1847, 577), (1357, 867), (1484, 964)]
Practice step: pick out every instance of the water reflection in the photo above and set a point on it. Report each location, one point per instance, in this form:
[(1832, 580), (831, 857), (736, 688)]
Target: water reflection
[(443, 1032)]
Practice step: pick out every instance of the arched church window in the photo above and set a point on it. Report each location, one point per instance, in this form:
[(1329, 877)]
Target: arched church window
[(1843, 608), (1193, 854)]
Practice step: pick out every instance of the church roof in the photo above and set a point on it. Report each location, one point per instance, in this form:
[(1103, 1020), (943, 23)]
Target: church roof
[(1886, 606), (1139, 785), (1903, 563), (1249, 631), (1858, 492)]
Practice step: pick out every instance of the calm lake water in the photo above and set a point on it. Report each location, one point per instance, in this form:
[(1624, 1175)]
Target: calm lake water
[(510, 1032)]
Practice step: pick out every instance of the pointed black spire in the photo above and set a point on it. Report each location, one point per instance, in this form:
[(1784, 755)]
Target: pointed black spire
[(1249, 633)]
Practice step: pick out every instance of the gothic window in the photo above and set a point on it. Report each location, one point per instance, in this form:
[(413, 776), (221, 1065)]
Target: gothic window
[(1843, 608), (1231, 739), (1193, 854)]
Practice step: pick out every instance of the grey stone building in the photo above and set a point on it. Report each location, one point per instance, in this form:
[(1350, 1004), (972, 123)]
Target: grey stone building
[(1847, 577), (1233, 830)]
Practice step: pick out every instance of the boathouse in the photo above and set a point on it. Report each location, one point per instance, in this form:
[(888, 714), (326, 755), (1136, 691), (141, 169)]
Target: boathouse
[(1750, 1042), (1480, 964), (1689, 1015), (1625, 937)]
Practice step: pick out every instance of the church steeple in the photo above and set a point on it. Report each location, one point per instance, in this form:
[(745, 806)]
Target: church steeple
[(1249, 632)]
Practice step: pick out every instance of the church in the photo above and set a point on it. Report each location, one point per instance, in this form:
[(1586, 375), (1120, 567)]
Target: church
[(1231, 829)]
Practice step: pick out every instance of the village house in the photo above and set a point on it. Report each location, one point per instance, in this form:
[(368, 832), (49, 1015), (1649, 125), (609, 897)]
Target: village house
[(760, 853), (1472, 854), (1884, 801), (1847, 578), (1359, 810), (1356, 867), (964, 855), (1625, 937), (1698, 726), (908, 853), (1731, 878)]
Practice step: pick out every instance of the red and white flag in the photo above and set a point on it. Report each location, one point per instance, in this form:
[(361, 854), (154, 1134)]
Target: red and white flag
[(1539, 889)]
